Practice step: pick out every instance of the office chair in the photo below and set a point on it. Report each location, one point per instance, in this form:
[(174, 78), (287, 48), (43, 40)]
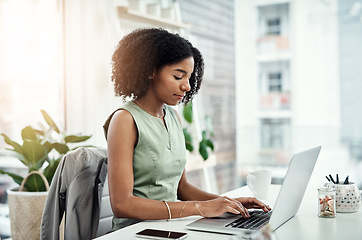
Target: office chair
[(106, 214)]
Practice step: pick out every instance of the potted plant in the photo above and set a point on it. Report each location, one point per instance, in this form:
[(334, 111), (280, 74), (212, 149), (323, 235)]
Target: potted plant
[(205, 142), (41, 152), (192, 130)]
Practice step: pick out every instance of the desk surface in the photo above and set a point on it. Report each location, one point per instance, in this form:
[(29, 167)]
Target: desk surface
[(305, 225)]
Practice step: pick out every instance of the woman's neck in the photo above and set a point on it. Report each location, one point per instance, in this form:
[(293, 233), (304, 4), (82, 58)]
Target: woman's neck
[(154, 109)]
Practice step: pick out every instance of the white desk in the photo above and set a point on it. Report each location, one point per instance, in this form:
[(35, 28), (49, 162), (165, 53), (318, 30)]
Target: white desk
[(305, 225)]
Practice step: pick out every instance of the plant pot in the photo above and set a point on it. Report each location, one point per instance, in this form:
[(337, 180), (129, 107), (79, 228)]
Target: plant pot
[(25, 211)]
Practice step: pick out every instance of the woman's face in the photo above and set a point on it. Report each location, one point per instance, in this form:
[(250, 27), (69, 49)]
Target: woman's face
[(171, 82)]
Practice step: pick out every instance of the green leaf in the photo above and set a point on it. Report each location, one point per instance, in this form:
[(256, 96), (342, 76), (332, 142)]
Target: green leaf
[(29, 133), (48, 146), (50, 169), (62, 148), (187, 112), (203, 134), (203, 151), (34, 153), (189, 147), (76, 139), (210, 144), (188, 140), (50, 121), (35, 183), (18, 179), (17, 147)]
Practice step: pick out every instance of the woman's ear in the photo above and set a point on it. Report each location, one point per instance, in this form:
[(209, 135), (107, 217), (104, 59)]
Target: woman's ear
[(152, 76)]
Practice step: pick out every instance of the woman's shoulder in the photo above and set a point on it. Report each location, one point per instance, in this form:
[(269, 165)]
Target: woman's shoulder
[(120, 116), (124, 113), (121, 123)]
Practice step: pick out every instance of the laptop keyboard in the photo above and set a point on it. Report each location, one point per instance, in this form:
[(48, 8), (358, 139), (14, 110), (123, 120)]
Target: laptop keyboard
[(256, 220)]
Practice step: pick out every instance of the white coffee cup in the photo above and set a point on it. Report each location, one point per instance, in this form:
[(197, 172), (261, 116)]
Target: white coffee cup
[(259, 182)]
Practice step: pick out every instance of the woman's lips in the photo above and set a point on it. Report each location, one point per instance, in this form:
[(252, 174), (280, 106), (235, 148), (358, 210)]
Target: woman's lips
[(180, 97)]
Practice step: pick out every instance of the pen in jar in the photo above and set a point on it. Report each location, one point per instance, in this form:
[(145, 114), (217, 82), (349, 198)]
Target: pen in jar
[(346, 181), (330, 177)]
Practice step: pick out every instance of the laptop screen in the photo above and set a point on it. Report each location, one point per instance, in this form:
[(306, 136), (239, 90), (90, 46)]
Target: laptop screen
[(294, 185)]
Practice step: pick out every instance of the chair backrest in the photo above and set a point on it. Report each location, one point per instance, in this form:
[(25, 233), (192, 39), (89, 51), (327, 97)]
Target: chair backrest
[(106, 214)]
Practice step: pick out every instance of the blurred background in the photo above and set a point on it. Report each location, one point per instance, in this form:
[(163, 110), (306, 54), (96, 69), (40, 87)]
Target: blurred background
[(281, 76)]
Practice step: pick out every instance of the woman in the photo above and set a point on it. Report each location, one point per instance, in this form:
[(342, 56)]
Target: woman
[(146, 149)]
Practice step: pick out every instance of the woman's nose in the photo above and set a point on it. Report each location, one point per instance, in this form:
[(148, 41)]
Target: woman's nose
[(186, 86)]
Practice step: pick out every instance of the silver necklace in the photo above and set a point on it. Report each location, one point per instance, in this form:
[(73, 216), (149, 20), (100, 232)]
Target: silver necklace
[(155, 115)]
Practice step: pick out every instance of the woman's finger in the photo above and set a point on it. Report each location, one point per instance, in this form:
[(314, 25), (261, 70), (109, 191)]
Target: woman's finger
[(239, 207), (232, 210), (255, 203), (235, 201)]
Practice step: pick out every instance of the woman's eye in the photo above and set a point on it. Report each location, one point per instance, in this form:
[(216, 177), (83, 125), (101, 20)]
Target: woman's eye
[(178, 78)]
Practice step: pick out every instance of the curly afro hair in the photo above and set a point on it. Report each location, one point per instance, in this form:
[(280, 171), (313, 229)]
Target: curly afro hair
[(142, 51)]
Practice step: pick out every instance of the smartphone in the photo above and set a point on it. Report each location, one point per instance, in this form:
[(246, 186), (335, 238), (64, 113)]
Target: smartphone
[(161, 234)]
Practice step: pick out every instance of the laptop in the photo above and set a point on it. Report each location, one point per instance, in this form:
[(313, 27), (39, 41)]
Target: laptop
[(286, 206)]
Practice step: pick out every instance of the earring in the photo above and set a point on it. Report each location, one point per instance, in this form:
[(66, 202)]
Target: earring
[(151, 77)]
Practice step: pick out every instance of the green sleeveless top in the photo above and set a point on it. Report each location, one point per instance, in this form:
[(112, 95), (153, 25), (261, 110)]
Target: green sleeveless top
[(159, 157)]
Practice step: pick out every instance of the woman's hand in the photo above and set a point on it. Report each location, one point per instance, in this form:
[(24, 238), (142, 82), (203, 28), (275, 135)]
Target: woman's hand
[(218, 206), (251, 202)]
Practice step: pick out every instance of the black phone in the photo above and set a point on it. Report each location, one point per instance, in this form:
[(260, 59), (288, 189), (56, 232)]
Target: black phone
[(160, 234)]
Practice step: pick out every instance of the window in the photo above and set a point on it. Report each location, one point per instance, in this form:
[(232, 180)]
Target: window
[(30, 64), (273, 26), (273, 20), (275, 133), (275, 82)]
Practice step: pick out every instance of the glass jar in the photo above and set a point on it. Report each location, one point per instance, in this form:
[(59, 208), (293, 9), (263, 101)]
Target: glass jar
[(327, 202)]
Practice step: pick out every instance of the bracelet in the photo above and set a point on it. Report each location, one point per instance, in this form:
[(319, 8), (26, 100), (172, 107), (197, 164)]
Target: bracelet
[(198, 209), (183, 208), (169, 211)]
